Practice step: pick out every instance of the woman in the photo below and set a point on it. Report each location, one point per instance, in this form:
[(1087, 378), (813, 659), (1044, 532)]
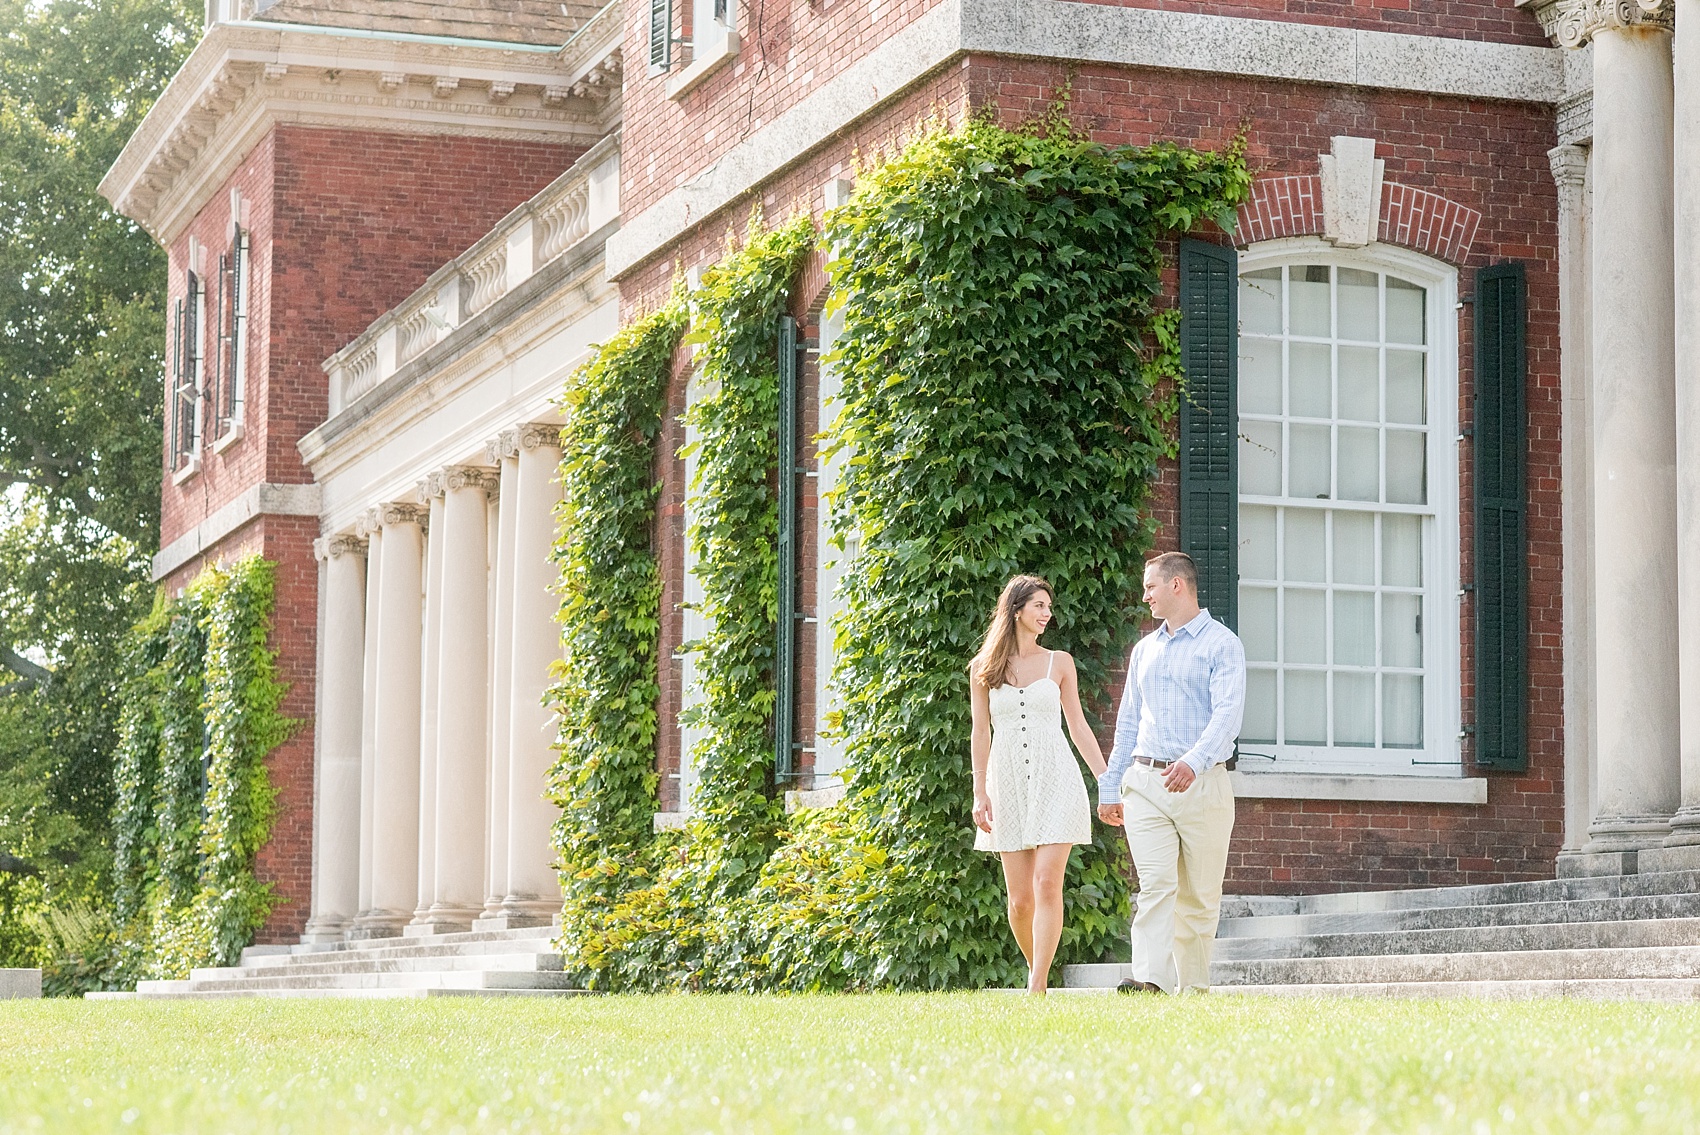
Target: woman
[(1029, 799)]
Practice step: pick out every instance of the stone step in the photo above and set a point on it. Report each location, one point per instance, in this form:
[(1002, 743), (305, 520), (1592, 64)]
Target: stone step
[(1640, 989), (1650, 963), (529, 961), (393, 948), (427, 979), (368, 994), (1470, 939), (459, 938), (1489, 894), (1619, 909)]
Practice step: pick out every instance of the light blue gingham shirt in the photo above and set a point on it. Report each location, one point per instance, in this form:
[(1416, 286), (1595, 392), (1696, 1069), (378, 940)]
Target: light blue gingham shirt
[(1184, 700)]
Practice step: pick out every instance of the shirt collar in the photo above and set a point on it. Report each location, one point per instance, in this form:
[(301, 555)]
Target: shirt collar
[(1192, 627)]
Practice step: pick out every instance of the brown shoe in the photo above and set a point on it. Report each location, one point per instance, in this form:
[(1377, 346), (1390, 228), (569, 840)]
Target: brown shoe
[(1134, 985)]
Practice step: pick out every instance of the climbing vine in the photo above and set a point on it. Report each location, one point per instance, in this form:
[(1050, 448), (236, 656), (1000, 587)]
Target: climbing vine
[(605, 687), (202, 708), (1008, 388)]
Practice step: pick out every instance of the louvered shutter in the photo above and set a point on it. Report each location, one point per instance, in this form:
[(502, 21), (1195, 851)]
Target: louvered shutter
[(1209, 520), (660, 34), (1502, 614)]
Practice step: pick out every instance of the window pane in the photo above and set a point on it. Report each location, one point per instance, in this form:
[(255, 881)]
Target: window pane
[(1401, 550), (1257, 542), (1257, 623), (1306, 704), (1354, 629), (1402, 711), (1304, 629), (1405, 312), (1360, 464), (1259, 723), (1306, 553), (1260, 376), (1260, 302), (1307, 465), (1260, 458), (1407, 467), (1401, 630), (1307, 300), (1310, 380), (1407, 389), (1354, 709), (1360, 383), (1360, 305), (1354, 547)]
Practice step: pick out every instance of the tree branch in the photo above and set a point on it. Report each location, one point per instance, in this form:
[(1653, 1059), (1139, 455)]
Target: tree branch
[(30, 672)]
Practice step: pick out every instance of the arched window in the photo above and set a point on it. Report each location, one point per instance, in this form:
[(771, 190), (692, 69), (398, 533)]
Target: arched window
[(1348, 510)]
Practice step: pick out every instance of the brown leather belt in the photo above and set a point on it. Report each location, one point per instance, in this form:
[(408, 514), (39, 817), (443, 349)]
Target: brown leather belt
[(1152, 762)]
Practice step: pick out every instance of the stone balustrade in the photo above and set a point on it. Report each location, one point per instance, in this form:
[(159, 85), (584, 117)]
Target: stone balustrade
[(576, 205)]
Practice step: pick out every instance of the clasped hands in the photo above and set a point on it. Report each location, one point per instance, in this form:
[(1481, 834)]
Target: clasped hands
[(1177, 777)]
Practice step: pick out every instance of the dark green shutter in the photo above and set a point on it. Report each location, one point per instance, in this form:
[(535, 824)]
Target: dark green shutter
[(1210, 423), (1502, 611), (660, 34), (785, 659)]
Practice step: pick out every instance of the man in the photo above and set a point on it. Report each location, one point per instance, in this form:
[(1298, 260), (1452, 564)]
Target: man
[(1167, 783)]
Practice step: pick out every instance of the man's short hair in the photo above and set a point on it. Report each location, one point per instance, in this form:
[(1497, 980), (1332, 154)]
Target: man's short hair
[(1171, 565)]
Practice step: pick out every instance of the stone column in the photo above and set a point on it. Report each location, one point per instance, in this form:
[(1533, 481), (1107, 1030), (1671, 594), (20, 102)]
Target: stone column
[(534, 890), (1685, 825), (503, 453), (431, 497), (462, 697), (395, 773), (1570, 170), (1635, 563), (336, 797), (374, 533)]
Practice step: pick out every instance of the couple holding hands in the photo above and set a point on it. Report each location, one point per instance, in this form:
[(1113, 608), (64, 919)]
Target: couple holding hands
[(1166, 782)]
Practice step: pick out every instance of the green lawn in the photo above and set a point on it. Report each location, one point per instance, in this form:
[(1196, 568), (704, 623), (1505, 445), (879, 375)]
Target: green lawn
[(969, 1063)]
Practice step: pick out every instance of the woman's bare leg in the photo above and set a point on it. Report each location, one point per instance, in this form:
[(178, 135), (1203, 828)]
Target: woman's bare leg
[(1018, 880), (1050, 861)]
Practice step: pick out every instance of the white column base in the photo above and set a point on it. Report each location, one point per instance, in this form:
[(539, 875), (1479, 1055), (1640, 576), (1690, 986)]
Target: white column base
[(326, 929), (377, 924)]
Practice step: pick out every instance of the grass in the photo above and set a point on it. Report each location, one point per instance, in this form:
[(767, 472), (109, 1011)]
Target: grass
[(946, 1063)]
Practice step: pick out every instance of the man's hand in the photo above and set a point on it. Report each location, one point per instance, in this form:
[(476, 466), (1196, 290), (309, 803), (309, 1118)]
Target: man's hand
[(983, 812), (1178, 777), (1110, 814)]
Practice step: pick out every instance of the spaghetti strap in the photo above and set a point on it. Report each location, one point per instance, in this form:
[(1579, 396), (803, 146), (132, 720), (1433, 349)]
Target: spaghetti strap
[(1052, 658)]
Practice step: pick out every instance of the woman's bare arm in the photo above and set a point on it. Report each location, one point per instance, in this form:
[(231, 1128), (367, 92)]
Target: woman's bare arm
[(981, 750), (1069, 684)]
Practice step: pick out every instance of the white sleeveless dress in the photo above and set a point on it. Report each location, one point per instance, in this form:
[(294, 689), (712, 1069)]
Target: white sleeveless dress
[(1038, 795)]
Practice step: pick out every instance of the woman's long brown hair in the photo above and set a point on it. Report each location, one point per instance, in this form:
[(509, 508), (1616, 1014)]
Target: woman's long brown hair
[(991, 667)]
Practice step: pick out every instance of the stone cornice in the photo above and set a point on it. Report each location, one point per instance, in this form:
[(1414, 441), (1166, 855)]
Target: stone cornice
[(1576, 22), (244, 78)]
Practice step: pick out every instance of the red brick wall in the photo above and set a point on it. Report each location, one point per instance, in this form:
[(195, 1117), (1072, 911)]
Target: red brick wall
[(1484, 156), (1497, 20), (344, 225)]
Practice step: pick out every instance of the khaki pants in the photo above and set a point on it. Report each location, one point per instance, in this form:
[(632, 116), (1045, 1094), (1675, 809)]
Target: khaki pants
[(1179, 842)]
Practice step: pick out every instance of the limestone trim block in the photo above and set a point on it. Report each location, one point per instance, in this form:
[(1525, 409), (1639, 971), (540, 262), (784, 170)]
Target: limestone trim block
[(1351, 191)]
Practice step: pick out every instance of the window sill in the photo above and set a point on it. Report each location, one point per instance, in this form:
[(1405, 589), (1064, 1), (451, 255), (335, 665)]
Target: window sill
[(701, 68), (188, 471), (798, 799), (1331, 786), (670, 821), (230, 438)]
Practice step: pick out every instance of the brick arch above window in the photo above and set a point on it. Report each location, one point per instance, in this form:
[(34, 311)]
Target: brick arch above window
[(1411, 218)]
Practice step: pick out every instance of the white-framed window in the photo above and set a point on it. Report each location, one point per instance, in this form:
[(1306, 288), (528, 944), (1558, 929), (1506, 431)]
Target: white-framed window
[(186, 359), (231, 362), (1348, 513), (695, 623)]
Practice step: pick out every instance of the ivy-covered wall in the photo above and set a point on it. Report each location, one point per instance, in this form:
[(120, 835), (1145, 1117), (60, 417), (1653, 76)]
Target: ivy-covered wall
[(1009, 384), (200, 712)]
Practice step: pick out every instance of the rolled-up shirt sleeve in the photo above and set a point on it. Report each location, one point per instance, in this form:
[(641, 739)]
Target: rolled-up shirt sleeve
[(1127, 734), (1227, 707)]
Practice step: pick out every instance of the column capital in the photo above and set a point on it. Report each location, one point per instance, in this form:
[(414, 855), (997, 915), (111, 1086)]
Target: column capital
[(346, 544), (1572, 23), (1569, 166), (536, 435), (392, 513), (504, 444), (368, 524), (457, 477), (430, 487)]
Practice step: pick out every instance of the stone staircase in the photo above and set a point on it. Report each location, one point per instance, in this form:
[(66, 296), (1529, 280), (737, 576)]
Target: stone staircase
[(1620, 937), (479, 963)]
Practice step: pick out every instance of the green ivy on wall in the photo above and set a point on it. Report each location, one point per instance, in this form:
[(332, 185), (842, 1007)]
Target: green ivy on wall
[(605, 689), (201, 711), (1008, 387)]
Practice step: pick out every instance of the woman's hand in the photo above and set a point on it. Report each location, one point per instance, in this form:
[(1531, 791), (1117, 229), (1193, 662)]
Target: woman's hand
[(983, 812)]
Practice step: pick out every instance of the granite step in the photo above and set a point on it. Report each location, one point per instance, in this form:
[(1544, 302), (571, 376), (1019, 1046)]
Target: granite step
[(392, 948), (1495, 894), (1469, 939), (428, 979), (1616, 909), (1586, 989), (528, 961), (363, 994)]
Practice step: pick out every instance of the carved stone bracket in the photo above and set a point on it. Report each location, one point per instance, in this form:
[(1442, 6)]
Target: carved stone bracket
[(1576, 22), (1569, 166), (534, 435)]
